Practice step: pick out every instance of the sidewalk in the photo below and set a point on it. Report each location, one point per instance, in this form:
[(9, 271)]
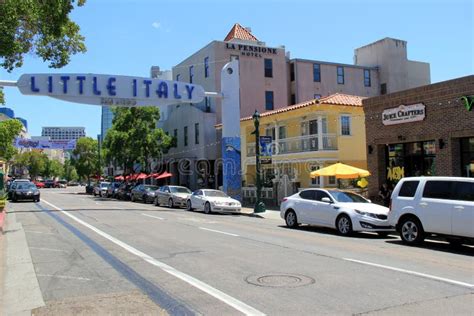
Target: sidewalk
[(268, 214)]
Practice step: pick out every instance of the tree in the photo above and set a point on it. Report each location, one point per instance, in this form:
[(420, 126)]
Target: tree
[(42, 28), (134, 138), (53, 169), (69, 171), (34, 161), (9, 129), (85, 157)]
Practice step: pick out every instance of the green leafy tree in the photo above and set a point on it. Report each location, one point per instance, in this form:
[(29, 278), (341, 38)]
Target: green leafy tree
[(42, 28), (134, 138), (34, 161), (9, 129), (53, 169), (85, 157), (69, 171)]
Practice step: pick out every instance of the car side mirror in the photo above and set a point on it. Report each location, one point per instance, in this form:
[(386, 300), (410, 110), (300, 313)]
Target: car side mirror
[(326, 199)]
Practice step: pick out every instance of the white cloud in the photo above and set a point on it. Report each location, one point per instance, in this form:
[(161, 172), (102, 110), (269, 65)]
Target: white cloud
[(156, 24)]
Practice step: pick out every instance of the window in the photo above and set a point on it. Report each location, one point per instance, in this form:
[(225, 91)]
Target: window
[(408, 188), (268, 68), (308, 194), (315, 180), (345, 125), (321, 194), (439, 190), (340, 75), (207, 104), (292, 72), (464, 191), (206, 67), (185, 136), (281, 132), (191, 74), (383, 88), (367, 78), (270, 132), (196, 133), (178, 76), (316, 72), (331, 180), (268, 100), (293, 99), (175, 133), (317, 96)]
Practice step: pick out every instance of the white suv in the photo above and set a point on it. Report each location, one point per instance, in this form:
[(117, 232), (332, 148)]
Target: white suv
[(441, 206)]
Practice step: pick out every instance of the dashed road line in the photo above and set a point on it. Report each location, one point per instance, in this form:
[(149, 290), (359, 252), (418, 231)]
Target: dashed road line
[(48, 249), (62, 277), (160, 218), (218, 231), (38, 232)]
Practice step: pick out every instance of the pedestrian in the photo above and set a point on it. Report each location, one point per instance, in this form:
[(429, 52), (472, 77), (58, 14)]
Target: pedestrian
[(384, 194)]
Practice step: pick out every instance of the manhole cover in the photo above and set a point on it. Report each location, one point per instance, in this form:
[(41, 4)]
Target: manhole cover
[(280, 280)]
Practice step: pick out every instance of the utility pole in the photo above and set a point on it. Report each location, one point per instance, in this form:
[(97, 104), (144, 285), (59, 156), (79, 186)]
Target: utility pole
[(259, 205), (98, 155)]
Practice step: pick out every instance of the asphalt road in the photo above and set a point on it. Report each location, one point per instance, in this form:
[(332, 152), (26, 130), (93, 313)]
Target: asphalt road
[(94, 255)]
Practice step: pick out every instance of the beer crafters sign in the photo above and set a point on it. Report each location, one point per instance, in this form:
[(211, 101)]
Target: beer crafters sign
[(404, 114)]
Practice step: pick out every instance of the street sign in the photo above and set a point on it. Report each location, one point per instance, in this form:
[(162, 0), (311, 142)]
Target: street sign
[(265, 149), (110, 90)]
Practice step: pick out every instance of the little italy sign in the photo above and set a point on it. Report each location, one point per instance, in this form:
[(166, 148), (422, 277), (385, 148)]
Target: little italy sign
[(110, 90), (404, 114)]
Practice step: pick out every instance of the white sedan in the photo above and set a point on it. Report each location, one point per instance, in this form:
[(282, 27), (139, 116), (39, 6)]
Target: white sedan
[(212, 201), (345, 211)]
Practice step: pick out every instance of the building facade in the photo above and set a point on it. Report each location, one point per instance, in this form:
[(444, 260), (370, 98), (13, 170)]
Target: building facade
[(63, 133), (427, 130)]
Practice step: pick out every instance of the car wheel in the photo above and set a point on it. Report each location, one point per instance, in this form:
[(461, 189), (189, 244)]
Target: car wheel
[(171, 203), (14, 199), (132, 198), (37, 200), (291, 219), (344, 225), (189, 206), (411, 231), (383, 234), (207, 208), (157, 203), (145, 199)]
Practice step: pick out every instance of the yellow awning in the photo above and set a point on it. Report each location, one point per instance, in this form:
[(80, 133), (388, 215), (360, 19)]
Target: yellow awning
[(340, 171)]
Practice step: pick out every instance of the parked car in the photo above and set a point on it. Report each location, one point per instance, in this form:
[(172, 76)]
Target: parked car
[(433, 206), (124, 191), (112, 189), (62, 184), (143, 192), (73, 183), (25, 191), (13, 186), (89, 188), (212, 201), (101, 189), (39, 184), (172, 196), (343, 210), (51, 184)]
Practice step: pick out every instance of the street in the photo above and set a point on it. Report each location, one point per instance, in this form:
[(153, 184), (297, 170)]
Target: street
[(97, 255)]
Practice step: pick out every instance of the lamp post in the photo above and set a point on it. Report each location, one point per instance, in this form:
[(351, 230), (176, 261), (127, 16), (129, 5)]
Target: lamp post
[(259, 205)]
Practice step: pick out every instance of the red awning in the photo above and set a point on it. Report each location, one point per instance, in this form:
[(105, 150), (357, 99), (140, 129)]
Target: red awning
[(141, 176), (165, 174), (120, 178)]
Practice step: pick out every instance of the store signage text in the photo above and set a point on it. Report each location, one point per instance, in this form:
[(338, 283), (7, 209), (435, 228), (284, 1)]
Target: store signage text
[(468, 102), (404, 114), (395, 173), (110, 90), (248, 50)]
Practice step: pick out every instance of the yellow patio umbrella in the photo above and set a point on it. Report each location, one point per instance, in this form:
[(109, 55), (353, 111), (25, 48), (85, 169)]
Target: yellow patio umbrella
[(340, 171)]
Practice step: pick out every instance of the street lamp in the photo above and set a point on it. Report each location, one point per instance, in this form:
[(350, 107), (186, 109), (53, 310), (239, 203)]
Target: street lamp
[(259, 205)]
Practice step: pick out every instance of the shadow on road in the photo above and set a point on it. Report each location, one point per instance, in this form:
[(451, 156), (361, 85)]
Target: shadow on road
[(329, 231), (439, 246)]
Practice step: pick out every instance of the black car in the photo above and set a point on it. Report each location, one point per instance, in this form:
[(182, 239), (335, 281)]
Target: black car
[(12, 186), (124, 191), (113, 189), (143, 192), (25, 191)]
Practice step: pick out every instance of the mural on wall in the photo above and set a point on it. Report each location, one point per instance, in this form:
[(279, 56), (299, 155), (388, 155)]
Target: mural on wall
[(231, 169), (468, 102)]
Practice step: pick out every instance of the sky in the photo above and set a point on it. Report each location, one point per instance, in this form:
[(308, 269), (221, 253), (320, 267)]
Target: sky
[(126, 37)]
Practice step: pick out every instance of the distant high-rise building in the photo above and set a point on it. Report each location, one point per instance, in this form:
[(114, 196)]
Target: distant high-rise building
[(63, 132)]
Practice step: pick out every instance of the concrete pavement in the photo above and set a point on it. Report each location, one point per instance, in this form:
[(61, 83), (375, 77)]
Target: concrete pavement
[(222, 264)]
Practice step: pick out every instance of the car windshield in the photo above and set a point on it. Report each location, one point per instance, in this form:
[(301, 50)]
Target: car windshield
[(179, 190), (215, 194), (151, 188), (26, 186), (104, 184), (347, 197)]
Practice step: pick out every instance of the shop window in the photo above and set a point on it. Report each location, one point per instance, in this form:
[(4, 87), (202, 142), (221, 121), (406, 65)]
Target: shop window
[(340, 75), (467, 157), (317, 73), (332, 180), (268, 68)]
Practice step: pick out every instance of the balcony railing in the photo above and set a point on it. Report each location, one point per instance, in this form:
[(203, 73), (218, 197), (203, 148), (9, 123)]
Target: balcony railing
[(299, 144)]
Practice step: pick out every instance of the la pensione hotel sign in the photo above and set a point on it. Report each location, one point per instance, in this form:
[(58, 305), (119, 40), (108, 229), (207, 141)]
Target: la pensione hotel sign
[(249, 50), (404, 114)]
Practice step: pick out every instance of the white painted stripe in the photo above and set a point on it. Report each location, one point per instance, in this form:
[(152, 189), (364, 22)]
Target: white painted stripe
[(153, 216), (38, 232), (218, 231), (423, 275), (48, 249), (225, 298), (62, 277)]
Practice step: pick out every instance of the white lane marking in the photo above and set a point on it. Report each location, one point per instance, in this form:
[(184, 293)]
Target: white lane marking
[(62, 277), (423, 275), (38, 232), (218, 231), (153, 216), (48, 249), (223, 297)]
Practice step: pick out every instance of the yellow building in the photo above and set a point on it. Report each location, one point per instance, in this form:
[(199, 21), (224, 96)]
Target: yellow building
[(306, 136)]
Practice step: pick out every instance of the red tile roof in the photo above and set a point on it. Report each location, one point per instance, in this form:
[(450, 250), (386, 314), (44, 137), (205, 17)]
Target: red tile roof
[(334, 99), (239, 32)]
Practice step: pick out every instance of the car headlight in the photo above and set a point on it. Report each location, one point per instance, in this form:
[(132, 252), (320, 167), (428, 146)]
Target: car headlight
[(151, 193), (37, 193), (366, 214), (218, 203)]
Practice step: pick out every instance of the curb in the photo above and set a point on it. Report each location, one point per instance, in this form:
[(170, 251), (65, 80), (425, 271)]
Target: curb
[(2, 221)]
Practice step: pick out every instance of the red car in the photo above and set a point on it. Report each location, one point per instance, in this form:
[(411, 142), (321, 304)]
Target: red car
[(39, 184)]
